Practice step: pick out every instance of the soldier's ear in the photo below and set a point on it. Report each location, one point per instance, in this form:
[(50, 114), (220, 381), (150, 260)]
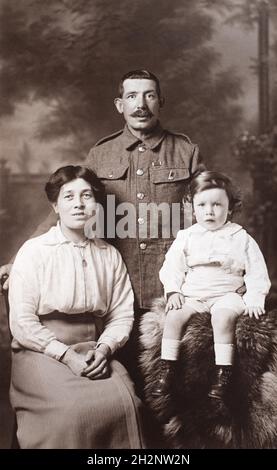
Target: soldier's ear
[(119, 105)]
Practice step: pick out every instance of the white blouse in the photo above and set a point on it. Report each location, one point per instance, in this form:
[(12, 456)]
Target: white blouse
[(202, 263), (52, 273)]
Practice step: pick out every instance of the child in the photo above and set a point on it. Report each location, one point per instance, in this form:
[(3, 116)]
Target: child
[(204, 271)]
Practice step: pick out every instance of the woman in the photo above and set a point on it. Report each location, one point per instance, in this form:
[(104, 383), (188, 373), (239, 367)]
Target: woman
[(71, 308)]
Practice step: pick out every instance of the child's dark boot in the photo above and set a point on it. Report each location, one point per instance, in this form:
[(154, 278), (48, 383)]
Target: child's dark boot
[(165, 376)]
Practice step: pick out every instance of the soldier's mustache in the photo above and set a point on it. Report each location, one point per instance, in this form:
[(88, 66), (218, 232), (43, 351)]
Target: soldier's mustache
[(142, 113)]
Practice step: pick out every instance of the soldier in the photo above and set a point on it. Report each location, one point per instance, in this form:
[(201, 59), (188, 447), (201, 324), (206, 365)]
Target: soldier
[(149, 167)]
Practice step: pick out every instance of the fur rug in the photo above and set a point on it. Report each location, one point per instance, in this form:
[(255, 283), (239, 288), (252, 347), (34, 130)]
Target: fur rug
[(192, 420)]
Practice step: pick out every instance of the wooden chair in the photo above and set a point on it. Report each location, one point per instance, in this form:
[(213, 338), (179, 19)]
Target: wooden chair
[(4, 308)]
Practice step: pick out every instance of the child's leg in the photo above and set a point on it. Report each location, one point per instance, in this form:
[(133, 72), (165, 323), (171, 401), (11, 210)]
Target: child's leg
[(223, 324), (224, 314), (174, 324)]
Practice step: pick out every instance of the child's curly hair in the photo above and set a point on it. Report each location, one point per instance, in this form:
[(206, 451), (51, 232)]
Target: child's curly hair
[(213, 179)]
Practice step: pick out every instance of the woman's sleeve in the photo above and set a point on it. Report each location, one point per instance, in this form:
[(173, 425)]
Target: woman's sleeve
[(24, 295), (120, 317), (173, 271), (256, 277)]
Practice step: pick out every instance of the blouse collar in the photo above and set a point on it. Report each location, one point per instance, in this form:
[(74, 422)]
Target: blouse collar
[(54, 236)]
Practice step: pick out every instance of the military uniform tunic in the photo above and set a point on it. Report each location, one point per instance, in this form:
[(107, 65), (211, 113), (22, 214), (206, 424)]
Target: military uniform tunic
[(156, 170)]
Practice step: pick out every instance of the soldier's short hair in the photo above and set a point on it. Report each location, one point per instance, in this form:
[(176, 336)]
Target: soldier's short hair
[(140, 74)]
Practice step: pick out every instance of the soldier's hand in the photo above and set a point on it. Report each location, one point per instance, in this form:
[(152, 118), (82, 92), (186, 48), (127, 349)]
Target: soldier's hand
[(4, 276)]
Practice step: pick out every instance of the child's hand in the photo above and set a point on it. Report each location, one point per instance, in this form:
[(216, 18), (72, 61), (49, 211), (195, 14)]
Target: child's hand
[(254, 312), (175, 301)]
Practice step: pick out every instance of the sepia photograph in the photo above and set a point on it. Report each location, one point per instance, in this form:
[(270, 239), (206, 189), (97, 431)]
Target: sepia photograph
[(138, 233)]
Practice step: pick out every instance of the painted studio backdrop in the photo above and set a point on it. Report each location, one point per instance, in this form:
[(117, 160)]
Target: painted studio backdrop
[(60, 64)]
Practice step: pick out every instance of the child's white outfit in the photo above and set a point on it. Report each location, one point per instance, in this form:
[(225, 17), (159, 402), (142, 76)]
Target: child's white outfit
[(209, 267)]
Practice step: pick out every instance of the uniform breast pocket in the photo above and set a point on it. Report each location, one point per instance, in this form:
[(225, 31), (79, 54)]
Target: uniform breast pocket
[(114, 180), (168, 184)]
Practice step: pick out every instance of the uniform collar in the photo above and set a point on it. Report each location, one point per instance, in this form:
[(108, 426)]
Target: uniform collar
[(151, 141), (228, 229), (54, 236)]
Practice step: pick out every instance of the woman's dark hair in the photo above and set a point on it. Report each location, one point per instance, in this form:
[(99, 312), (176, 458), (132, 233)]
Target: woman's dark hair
[(68, 173), (212, 179)]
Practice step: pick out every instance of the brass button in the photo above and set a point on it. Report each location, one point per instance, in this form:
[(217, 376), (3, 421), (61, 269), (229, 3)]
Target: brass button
[(141, 220), (141, 148), (111, 174), (143, 246), (140, 195), (140, 172)]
